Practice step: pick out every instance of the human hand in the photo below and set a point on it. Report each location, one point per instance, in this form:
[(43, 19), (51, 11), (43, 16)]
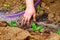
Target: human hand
[(29, 12)]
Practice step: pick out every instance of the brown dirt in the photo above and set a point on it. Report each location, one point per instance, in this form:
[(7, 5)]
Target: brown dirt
[(52, 8), (11, 33), (8, 33), (14, 5)]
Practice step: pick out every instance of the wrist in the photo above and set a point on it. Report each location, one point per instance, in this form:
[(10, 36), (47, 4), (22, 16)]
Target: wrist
[(29, 3), (30, 6)]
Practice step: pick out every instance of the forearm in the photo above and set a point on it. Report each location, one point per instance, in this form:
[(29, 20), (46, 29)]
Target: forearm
[(29, 3)]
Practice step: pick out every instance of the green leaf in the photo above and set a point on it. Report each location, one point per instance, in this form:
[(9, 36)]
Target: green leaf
[(21, 8), (58, 32), (33, 26), (12, 24), (6, 5), (38, 8), (40, 28)]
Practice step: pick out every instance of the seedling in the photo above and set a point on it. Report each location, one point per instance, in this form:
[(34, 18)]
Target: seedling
[(38, 8), (21, 7), (40, 28), (33, 26), (6, 6), (12, 24), (58, 32)]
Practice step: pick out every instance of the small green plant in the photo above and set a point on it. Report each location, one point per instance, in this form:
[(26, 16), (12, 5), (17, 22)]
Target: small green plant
[(21, 7), (40, 28), (34, 27), (38, 8), (6, 5), (12, 24), (58, 32)]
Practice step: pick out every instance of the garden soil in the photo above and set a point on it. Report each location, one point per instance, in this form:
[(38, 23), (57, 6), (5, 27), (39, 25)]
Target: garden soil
[(51, 8)]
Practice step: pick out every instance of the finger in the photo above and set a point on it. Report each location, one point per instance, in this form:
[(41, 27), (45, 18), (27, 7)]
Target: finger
[(22, 21), (25, 20), (34, 17), (28, 22)]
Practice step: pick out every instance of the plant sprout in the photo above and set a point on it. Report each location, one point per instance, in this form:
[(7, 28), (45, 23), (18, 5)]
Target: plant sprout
[(6, 6), (40, 28), (58, 32), (12, 24), (38, 8), (21, 7), (33, 26)]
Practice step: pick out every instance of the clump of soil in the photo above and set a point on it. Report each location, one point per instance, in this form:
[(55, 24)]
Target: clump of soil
[(8, 33), (11, 33), (3, 24)]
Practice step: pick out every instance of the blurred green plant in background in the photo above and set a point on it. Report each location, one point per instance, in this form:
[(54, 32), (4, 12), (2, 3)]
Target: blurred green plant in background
[(21, 8), (38, 8), (6, 6)]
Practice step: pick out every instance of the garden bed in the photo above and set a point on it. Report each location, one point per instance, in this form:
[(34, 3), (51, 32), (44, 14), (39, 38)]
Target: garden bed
[(48, 19)]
